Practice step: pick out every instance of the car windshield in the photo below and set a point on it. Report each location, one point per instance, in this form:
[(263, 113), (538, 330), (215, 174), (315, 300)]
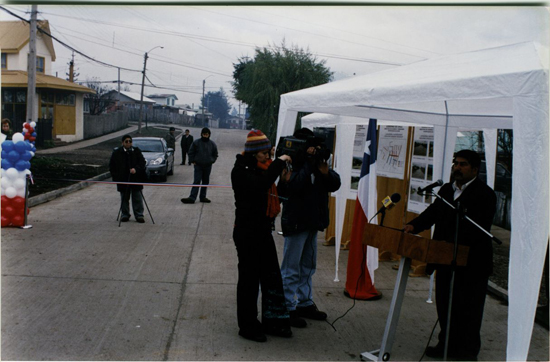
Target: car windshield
[(148, 145)]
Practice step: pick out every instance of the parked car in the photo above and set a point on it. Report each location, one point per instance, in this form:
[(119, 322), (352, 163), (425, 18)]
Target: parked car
[(159, 158), (503, 177)]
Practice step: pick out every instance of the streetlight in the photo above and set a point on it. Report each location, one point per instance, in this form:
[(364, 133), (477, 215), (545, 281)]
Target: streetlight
[(143, 86), (203, 83)]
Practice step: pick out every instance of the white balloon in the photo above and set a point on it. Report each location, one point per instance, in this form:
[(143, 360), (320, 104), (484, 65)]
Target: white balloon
[(12, 173), (24, 131), (11, 192), (17, 137), (20, 192), (19, 184), (5, 182), (33, 124)]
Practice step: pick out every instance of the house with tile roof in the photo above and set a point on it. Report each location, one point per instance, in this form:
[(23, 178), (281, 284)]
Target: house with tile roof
[(59, 102)]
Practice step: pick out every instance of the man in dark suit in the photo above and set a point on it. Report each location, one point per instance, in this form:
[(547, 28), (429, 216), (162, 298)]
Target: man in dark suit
[(127, 164), (186, 141), (478, 202)]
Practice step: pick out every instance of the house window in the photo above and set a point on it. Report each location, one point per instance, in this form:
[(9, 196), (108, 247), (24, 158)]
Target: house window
[(40, 64), (4, 61)]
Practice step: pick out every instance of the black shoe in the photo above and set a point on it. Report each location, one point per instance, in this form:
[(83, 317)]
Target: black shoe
[(125, 218), (435, 352), (296, 321), (311, 312), (140, 220), (284, 332), (253, 335), (188, 201), (205, 200)]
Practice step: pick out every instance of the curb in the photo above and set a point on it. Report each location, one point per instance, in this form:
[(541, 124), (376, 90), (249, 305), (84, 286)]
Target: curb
[(52, 195)]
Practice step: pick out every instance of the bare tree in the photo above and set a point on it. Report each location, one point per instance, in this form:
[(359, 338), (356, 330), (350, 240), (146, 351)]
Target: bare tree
[(101, 99)]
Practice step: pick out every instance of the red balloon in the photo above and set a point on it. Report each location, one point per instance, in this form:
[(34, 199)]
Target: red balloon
[(4, 201), (8, 211), (5, 221), (30, 129), (18, 220), (32, 139), (18, 203)]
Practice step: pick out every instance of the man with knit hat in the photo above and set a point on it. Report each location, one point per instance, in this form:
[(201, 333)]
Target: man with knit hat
[(202, 154), (256, 205)]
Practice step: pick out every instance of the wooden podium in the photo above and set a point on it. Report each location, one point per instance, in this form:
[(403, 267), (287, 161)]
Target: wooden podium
[(409, 247)]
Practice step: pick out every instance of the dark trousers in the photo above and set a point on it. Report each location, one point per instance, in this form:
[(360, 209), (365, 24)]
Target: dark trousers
[(259, 266), (183, 154), (201, 175), (470, 289)]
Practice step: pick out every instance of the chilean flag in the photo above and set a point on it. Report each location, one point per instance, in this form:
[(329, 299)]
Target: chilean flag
[(360, 275)]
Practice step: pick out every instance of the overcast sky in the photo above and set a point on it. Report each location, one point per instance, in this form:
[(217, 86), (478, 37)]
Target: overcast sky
[(203, 42)]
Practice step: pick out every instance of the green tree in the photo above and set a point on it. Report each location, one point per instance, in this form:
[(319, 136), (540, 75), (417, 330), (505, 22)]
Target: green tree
[(217, 104), (259, 82)]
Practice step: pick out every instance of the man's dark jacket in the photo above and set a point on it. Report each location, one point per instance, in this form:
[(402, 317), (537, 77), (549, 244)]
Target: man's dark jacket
[(479, 203), (121, 163), (186, 142), (305, 203), (203, 153)]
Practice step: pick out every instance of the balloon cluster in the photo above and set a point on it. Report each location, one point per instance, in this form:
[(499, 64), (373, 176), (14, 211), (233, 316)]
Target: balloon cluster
[(16, 156)]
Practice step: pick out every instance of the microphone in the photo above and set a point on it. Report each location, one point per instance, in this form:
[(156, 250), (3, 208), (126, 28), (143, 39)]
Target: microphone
[(388, 202), (430, 187)]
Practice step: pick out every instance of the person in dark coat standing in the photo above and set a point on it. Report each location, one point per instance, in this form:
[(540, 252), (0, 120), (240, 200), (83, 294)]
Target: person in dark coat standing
[(202, 154), (186, 141), (127, 164), (305, 212), (257, 204), (170, 138), (478, 202)]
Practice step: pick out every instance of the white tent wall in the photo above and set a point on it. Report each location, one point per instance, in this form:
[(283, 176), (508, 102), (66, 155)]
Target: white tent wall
[(505, 87)]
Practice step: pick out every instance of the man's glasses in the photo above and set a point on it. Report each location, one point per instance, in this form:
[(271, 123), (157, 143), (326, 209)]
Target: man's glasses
[(128, 141)]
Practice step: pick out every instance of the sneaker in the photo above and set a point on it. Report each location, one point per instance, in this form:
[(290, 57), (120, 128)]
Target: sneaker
[(296, 321), (253, 335), (125, 218), (140, 220), (311, 312), (188, 201), (206, 200)]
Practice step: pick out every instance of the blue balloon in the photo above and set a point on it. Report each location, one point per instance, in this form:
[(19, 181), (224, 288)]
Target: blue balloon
[(20, 146), (4, 155), (13, 156), (26, 156), (7, 145), (33, 134), (28, 145), (21, 165), (6, 164)]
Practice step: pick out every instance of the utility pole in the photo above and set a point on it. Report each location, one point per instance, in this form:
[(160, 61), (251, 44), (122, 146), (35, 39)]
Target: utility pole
[(203, 82), (71, 70), (32, 113), (141, 98)]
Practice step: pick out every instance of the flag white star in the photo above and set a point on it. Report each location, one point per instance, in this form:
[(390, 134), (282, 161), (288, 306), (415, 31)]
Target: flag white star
[(367, 147)]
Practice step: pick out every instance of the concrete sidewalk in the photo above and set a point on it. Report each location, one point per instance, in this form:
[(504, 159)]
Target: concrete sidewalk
[(79, 287)]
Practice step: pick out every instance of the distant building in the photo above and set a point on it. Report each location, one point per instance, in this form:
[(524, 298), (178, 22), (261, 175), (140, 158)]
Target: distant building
[(164, 99), (58, 101), (128, 100)]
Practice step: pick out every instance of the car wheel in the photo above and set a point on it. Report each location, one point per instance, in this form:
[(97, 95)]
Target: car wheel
[(164, 176), (171, 172)]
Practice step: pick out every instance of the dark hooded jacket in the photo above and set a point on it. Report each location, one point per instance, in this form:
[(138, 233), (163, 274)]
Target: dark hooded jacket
[(121, 163)]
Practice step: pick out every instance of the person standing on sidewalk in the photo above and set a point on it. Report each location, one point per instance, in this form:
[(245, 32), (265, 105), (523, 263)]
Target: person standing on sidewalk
[(127, 164), (202, 154), (170, 139), (257, 204), (186, 141), (305, 212)]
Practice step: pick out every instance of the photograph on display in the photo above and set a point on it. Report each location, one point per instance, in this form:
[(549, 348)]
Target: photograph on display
[(420, 148), (356, 163), (431, 150), (418, 171), (414, 196), (430, 172), (392, 150)]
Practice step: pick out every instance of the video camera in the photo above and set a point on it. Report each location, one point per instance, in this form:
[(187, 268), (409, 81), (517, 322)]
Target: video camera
[(296, 148)]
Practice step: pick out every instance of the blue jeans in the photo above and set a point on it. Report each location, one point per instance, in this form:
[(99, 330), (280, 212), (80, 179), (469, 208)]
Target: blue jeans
[(202, 173), (298, 266)]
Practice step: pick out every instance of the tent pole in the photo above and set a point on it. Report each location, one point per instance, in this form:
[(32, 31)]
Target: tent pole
[(445, 139)]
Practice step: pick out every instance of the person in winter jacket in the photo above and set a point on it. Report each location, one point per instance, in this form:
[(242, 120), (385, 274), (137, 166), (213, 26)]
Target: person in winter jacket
[(305, 212), (202, 154), (257, 204), (127, 164), (186, 141)]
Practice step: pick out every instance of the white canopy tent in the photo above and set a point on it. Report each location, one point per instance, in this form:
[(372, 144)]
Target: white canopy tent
[(497, 88)]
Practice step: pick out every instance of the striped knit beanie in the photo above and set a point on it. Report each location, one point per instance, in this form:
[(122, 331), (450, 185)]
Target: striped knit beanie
[(256, 141)]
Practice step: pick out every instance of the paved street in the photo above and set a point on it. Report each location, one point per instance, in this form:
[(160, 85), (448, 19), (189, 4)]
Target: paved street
[(79, 287)]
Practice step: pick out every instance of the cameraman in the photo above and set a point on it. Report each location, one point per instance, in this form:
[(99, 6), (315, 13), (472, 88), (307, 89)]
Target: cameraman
[(305, 212)]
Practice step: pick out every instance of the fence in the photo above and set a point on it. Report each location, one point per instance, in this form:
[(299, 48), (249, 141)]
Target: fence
[(160, 116), (95, 126)]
